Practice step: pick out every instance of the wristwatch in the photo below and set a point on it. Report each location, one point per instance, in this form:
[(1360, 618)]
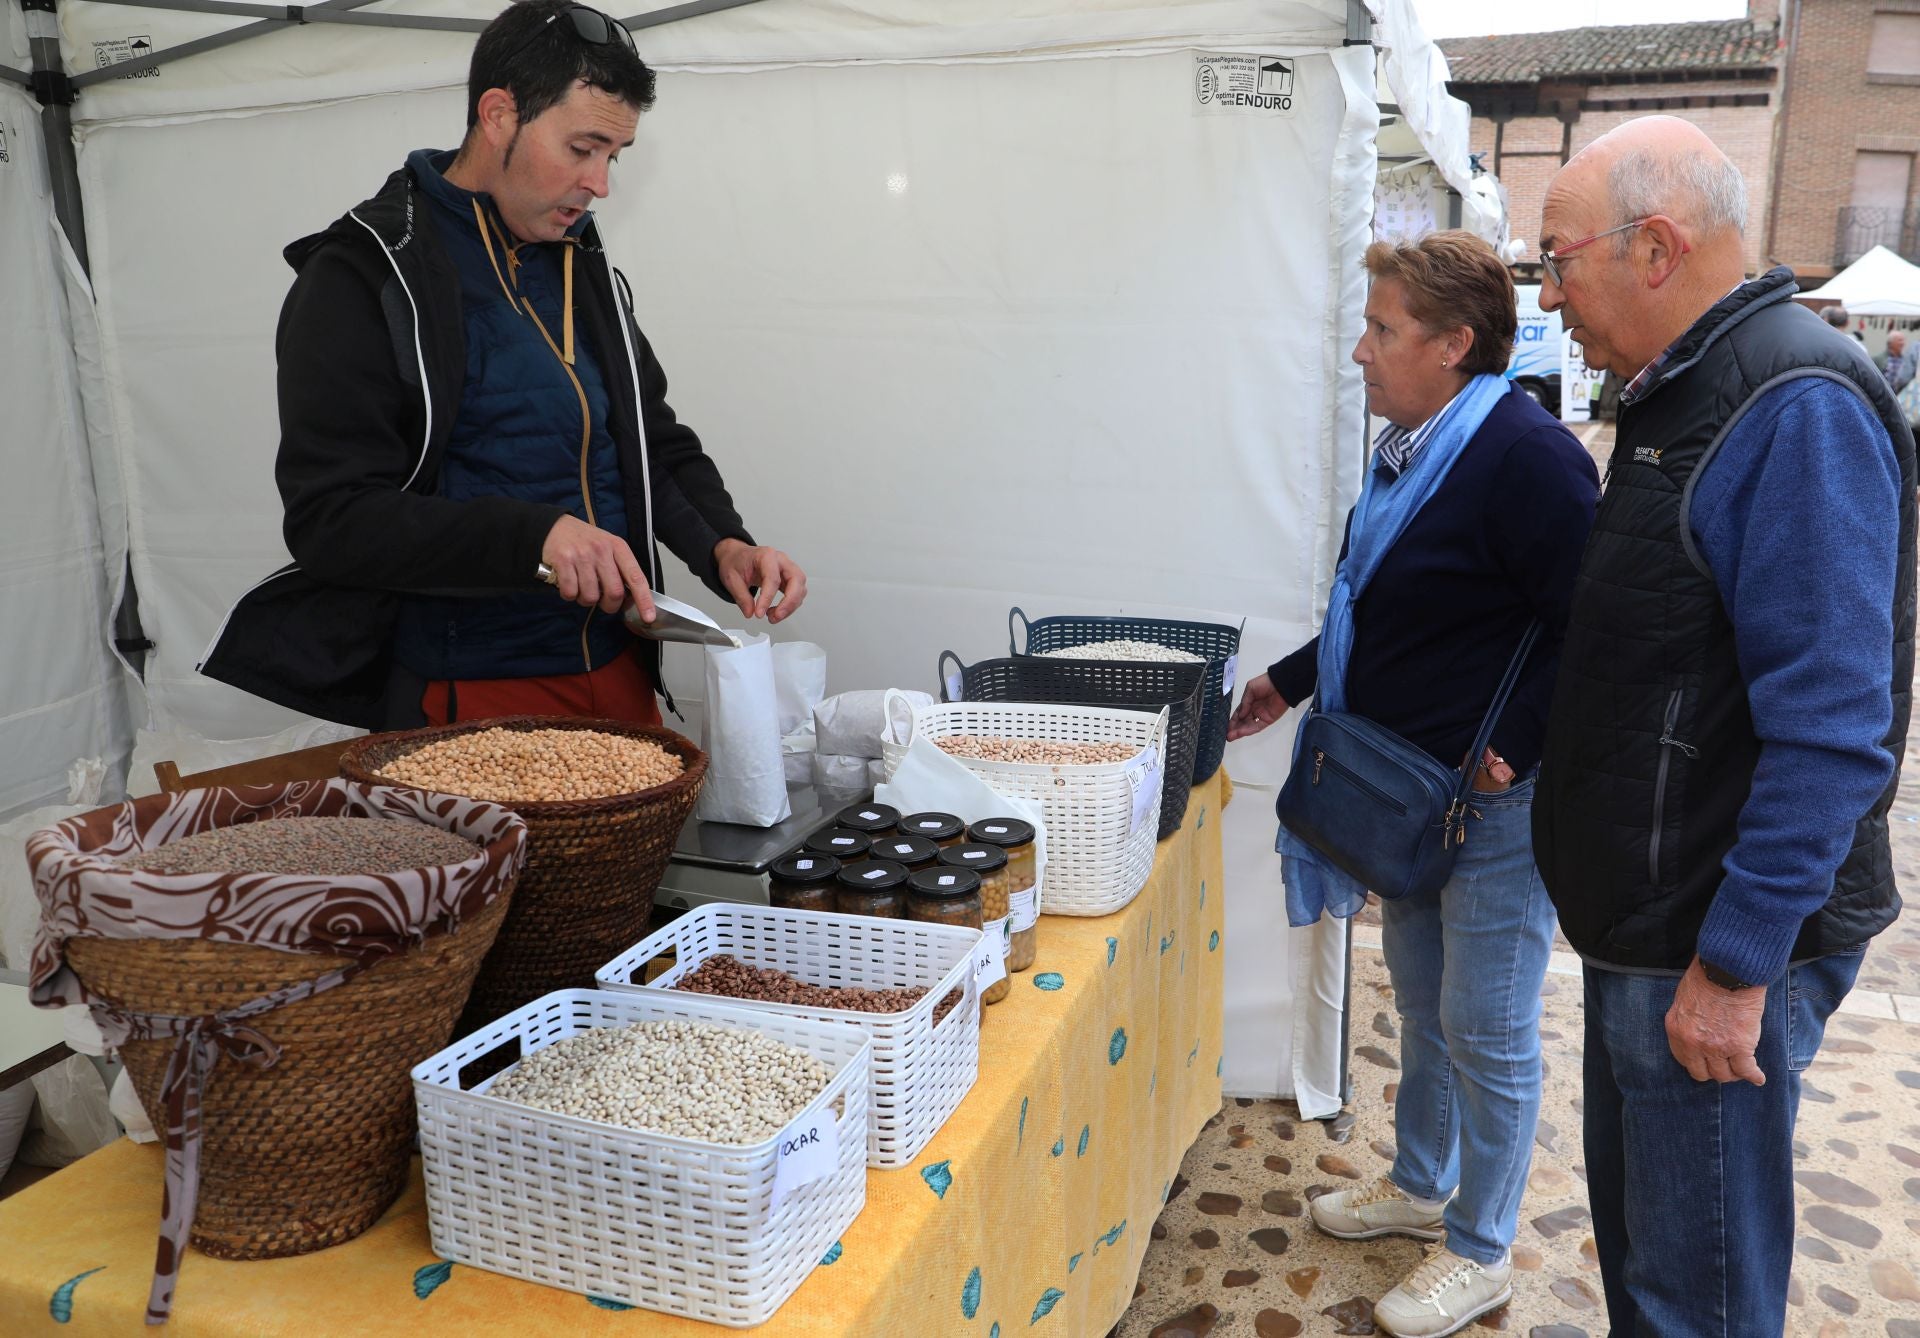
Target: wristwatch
[(1726, 980)]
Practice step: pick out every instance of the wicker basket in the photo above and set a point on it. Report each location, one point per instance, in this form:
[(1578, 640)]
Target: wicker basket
[(1135, 685), (1217, 643), (592, 865), (311, 1151)]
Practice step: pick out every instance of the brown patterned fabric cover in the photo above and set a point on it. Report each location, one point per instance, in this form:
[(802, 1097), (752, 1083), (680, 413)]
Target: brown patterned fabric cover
[(84, 894)]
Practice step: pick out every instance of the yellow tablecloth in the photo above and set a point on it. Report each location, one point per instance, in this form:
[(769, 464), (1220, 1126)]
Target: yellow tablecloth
[(1029, 1211)]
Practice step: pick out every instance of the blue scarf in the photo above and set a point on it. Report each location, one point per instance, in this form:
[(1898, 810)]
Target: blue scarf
[(1386, 507)]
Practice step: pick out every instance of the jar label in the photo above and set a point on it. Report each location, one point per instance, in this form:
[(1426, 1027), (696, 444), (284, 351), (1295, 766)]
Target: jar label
[(803, 864), (872, 874), (931, 825), (947, 880), (871, 817), (995, 831), (990, 967), (973, 854), (1024, 909), (843, 840), (903, 850)]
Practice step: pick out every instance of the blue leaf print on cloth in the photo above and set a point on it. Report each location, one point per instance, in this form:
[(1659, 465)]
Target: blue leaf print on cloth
[(1114, 1234), (994, 1332), (939, 1177), (605, 1304), (1203, 820), (832, 1256), (1086, 1132), (1113, 946), (1044, 1306), (1023, 1122), (426, 1281), (1203, 894), (1117, 1047), (970, 1294), (1165, 1190), (1213, 941), (61, 1306), (1074, 1262), (1193, 1054), (1059, 1146), (1153, 1082), (1219, 1065), (1049, 981), (1166, 943)]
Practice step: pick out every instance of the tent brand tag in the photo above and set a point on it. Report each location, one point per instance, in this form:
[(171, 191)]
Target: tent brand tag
[(119, 50), (1242, 84)]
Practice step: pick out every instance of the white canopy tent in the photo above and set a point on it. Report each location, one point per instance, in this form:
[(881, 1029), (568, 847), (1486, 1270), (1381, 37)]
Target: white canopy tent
[(970, 315), (1879, 283)]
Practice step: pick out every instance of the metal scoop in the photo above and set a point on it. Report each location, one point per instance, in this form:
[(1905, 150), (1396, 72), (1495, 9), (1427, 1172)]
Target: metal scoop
[(672, 621)]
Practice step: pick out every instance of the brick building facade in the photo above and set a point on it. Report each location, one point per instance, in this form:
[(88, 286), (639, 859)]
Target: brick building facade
[(1539, 98), (1849, 133)]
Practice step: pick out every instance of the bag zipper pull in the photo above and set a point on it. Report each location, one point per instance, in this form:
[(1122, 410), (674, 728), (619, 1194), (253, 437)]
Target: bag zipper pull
[(1319, 758)]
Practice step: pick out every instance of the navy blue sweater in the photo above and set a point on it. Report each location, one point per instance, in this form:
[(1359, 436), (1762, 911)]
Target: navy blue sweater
[(1496, 546)]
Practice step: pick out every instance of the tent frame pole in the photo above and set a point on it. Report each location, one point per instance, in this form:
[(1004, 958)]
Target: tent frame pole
[(274, 18)]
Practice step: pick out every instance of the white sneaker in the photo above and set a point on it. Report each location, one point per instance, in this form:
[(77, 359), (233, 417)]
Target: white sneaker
[(1383, 1210), (1444, 1295)]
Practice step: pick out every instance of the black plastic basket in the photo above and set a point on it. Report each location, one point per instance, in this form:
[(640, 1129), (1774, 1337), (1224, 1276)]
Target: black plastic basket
[(1217, 641), (1131, 685)]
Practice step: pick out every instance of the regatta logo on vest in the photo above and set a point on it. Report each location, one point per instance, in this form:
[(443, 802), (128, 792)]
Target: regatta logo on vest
[(1646, 455)]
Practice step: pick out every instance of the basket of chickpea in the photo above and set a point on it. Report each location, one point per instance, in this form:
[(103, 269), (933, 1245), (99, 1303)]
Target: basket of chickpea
[(603, 801)]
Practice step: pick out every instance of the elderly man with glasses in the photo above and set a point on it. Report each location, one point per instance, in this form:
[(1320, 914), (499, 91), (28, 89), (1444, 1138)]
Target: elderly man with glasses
[(1711, 820), (470, 418)]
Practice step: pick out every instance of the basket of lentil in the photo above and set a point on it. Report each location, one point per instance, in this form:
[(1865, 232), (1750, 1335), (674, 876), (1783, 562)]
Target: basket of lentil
[(1170, 639), (689, 1155), (908, 984), (1137, 685), (269, 961), (603, 801), (1095, 772)]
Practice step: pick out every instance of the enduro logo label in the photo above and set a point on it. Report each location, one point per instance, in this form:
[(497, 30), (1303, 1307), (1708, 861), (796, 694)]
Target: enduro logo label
[(1257, 85)]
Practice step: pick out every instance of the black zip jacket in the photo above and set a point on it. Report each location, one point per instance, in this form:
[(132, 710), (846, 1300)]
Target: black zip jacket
[(372, 362)]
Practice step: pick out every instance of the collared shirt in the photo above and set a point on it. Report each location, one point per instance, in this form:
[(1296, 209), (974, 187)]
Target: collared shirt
[(1396, 446), (1653, 373)]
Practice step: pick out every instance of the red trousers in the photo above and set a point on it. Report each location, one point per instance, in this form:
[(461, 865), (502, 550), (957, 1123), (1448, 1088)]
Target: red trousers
[(619, 690)]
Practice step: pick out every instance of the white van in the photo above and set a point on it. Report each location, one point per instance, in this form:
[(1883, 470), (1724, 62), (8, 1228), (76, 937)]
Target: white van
[(1535, 364)]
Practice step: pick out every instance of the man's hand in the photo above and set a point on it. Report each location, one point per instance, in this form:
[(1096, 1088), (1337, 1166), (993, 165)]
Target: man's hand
[(743, 567), (1714, 1032), (592, 566), (1260, 705)]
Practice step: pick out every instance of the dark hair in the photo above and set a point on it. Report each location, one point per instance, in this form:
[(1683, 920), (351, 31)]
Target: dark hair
[(1454, 279), (540, 61)]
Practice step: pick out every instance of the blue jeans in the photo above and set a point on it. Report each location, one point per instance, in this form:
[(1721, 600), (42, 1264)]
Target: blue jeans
[(1692, 1182), (1467, 966)]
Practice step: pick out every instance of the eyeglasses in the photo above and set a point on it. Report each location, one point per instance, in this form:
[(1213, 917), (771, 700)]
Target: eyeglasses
[(591, 27), (1551, 259)]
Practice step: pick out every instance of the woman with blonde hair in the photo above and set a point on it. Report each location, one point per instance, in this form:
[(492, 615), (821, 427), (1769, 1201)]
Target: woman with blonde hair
[(1467, 534)]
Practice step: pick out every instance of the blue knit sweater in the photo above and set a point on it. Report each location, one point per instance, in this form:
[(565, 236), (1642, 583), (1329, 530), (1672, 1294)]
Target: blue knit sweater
[(1798, 517)]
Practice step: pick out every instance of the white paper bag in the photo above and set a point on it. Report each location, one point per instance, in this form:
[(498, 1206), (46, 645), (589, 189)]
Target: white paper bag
[(746, 776), (799, 683), (853, 723)]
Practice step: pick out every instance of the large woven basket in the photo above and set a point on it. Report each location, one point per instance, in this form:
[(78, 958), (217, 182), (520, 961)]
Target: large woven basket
[(310, 1151), (592, 865)]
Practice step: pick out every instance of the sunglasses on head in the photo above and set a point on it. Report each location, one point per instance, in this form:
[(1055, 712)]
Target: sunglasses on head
[(591, 27)]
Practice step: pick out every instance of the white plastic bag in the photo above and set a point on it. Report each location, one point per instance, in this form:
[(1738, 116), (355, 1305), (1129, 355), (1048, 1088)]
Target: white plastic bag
[(746, 778), (929, 780)]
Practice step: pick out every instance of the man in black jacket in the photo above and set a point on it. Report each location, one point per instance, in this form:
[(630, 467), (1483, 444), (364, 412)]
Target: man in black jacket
[(469, 414)]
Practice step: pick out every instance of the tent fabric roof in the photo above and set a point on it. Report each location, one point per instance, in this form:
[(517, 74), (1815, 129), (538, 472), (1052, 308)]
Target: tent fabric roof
[(1527, 58), (1879, 283)]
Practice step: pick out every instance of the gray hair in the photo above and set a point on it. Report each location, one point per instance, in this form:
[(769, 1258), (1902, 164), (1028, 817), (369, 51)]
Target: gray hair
[(1835, 315), (1702, 188)]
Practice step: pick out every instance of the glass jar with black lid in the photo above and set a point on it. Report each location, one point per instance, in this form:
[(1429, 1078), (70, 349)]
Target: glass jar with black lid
[(1015, 836), (915, 852), (803, 881), (943, 829), (990, 862), (876, 820), (876, 887), (846, 846), (944, 895)]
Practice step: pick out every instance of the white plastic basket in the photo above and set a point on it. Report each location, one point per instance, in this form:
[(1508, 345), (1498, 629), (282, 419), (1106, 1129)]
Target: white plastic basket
[(671, 1224), (1102, 819), (920, 1070)]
